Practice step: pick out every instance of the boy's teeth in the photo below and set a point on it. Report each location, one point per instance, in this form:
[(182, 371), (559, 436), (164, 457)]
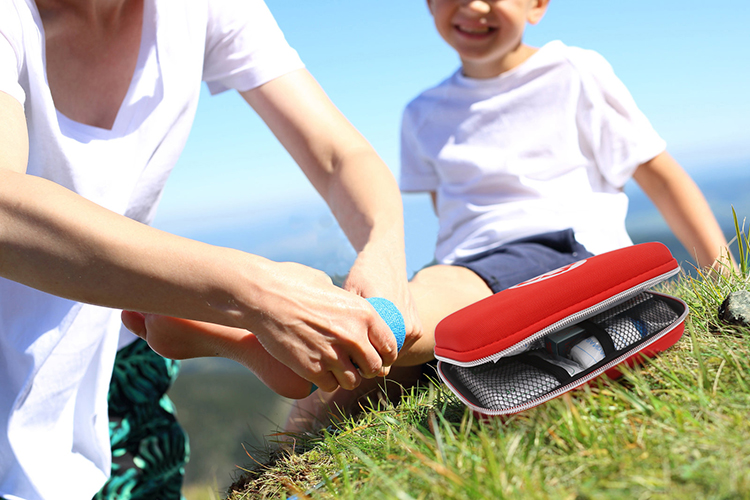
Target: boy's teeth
[(484, 29)]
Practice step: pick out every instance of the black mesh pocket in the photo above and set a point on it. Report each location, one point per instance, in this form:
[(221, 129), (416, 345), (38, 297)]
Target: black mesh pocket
[(516, 380), (501, 385)]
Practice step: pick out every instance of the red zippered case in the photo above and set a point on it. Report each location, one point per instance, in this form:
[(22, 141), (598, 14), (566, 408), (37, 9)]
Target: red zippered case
[(539, 339)]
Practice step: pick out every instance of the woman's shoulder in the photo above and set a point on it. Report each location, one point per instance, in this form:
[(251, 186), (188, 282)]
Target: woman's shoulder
[(16, 16), (20, 40)]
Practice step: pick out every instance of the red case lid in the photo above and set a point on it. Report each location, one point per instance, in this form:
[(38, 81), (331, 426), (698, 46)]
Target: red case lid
[(506, 318)]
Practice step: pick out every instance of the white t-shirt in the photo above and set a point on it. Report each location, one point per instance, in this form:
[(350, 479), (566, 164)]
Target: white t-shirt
[(546, 146), (56, 355)]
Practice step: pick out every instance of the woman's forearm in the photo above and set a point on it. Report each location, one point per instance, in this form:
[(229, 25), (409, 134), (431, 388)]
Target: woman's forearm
[(340, 163), (56, 241), (60, 243)]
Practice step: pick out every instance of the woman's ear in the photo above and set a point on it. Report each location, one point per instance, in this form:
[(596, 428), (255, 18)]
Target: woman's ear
[(536, 11)]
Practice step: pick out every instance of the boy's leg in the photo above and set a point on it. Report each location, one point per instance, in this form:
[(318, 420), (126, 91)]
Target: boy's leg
[(183, 339), (439, 291)]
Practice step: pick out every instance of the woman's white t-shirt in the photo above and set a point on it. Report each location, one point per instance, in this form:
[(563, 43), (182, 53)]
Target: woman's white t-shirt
[(56, 355), (546, 146)]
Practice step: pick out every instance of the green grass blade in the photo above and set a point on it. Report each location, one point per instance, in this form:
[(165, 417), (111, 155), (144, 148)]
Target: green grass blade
[(742, 244)]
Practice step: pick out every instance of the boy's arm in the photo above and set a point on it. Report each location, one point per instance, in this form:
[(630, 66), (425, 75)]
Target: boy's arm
[(355, 183), (683, 206)]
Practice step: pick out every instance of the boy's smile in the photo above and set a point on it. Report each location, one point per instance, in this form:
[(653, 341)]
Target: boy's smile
[(482, 30), (476, 29), (487, 34)]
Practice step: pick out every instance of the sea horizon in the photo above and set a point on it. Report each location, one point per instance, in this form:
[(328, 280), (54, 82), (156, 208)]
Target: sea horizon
[(307, 233)]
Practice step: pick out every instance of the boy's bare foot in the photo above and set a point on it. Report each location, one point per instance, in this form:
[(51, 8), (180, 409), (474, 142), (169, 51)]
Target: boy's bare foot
[(178, 338)]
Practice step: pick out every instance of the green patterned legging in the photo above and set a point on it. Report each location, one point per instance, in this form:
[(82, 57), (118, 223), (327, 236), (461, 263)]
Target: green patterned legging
[(149, 448)]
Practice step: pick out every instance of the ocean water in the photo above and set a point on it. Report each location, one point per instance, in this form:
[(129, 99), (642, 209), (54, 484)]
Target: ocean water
[(231, 416), (309, 235), (724, 186)]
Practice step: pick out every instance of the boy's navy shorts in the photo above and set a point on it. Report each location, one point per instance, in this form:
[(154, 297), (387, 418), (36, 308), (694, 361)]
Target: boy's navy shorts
[(520, 260)]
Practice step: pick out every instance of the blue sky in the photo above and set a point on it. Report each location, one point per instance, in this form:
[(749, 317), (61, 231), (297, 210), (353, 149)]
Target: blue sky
[(686, 64)]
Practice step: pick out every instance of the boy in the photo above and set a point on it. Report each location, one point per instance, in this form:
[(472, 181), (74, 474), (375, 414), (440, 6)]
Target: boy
[(525, 152)]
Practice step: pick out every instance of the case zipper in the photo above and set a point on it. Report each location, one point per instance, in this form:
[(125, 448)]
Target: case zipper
[(572, 319), (576, 383)]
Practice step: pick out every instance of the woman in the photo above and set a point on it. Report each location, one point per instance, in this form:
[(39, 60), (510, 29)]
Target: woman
[(96, 101)]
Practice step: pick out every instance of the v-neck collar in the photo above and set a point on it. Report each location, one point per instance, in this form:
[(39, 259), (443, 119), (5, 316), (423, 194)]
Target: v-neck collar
[(127, 111)]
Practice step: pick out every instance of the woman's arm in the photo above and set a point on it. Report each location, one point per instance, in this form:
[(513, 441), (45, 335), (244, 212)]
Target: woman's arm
[(358, 187), (683, 206), (58, 242)]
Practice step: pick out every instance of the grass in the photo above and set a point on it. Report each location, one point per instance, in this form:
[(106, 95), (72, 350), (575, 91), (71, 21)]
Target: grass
[(743, 246), (676, 427)]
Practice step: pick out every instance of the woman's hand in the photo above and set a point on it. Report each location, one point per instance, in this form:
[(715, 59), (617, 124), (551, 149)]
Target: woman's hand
[(323, 333), (380, 274)]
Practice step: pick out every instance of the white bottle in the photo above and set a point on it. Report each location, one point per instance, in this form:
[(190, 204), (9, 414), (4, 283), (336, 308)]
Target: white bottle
[(587, 352)]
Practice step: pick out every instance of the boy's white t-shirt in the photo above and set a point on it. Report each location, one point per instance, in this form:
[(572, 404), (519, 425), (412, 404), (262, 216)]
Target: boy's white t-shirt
[(546, 146), (56, 355)]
